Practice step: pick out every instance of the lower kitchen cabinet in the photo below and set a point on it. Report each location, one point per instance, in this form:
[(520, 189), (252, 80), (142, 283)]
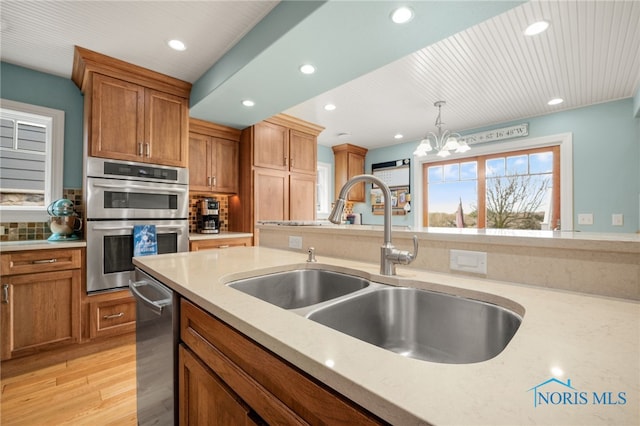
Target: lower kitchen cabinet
[(40, 307), (205, 399), (252, 376), (111, 314)]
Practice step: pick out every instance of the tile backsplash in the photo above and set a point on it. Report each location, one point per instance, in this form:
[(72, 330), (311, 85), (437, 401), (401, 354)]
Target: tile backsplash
[(21, 231), (193, 211)]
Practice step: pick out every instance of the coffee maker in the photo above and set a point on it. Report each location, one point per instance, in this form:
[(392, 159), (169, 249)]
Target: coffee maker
[(208, 216)]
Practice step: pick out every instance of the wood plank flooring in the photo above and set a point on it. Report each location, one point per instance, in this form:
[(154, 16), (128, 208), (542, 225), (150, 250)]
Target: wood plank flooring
[(95, 385)]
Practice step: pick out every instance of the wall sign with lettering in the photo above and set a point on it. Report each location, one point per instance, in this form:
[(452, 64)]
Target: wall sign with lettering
[(517, 131)]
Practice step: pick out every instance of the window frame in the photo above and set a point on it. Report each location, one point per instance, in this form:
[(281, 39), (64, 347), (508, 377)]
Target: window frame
[(320, 213), (564, 141), (53, 163)]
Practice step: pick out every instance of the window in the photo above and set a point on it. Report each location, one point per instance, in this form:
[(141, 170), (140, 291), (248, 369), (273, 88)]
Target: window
[(31, 152), (323, 201), (500, 186)]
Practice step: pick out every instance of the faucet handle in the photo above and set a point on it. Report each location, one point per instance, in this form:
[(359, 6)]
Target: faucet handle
[(404, 257)]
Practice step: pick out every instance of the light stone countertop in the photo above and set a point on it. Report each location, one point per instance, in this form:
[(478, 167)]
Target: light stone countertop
[(9, 246), (592, 341)]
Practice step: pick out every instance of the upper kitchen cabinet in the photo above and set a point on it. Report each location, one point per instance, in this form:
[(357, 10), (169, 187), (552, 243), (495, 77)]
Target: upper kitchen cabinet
[(132, 113), (278, 160), (213, 157), (349, 162), (283, 144)]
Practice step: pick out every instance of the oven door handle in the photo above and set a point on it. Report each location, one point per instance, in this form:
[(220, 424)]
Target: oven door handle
[(141, 187), (179, 228), (156, 306)]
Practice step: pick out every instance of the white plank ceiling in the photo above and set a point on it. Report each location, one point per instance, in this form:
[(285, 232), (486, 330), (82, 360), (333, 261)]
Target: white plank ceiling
[(491, 73)]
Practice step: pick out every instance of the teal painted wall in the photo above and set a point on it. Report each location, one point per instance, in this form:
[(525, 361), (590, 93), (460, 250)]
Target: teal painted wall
[(37, 88), (606, 162)]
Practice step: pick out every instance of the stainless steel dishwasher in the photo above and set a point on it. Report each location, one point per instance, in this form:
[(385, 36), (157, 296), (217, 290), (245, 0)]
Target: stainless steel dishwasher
[(156, 350)]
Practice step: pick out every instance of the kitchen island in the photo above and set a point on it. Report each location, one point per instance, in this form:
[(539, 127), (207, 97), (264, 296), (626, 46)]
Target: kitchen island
[(574, 359)]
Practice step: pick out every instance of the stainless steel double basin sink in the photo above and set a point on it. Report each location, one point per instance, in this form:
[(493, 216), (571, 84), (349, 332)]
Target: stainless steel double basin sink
[(420, 324)]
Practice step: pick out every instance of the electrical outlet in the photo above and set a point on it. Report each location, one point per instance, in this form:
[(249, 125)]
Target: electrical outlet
[(1, 230), (617, 219), (585, 219), (295, 242), (468, 261)]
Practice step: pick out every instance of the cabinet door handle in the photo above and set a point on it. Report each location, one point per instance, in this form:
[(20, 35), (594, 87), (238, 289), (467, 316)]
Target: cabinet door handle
[(113, 316), (139, 149), (292, 163), (214, 181), (224, 246), (5, 293), (209, 181), (286, 161), (148, 149), (38, 262)]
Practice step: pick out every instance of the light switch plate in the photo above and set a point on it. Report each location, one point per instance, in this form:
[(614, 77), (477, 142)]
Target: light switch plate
[(585, 219), (617, 219), (468, 261)]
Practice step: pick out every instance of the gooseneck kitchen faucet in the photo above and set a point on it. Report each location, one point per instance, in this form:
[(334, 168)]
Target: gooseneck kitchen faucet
[(389, 255)]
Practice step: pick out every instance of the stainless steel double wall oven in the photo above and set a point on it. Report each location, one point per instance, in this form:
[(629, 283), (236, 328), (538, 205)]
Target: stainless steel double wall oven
[(120, 195)]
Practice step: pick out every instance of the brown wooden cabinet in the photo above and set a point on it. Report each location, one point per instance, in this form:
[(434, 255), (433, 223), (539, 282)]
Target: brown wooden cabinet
[(213, 157), (251, 376), (219, 243), (111, 314), (302, 196), (40, 307), (132, 113), (278, 163), (205, 399), (349, 162), (279, 147)]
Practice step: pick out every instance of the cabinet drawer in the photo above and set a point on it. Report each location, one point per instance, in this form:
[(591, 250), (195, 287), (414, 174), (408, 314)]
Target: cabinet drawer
[(111, 317), (279, 392), (219, 243), (33, 261)]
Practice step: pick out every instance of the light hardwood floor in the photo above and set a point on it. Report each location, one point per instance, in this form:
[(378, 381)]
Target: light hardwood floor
[(94, 385)]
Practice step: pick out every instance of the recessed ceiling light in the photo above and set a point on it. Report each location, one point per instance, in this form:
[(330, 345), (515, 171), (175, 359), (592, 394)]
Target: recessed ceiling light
[(177, 45), (536, 28), (402, 15), (329, 107), (248, 103), (398, 136), (307, 69), (555, 101)]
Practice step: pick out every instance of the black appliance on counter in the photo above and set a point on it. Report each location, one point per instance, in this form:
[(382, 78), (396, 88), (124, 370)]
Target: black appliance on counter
[(208, 216)]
